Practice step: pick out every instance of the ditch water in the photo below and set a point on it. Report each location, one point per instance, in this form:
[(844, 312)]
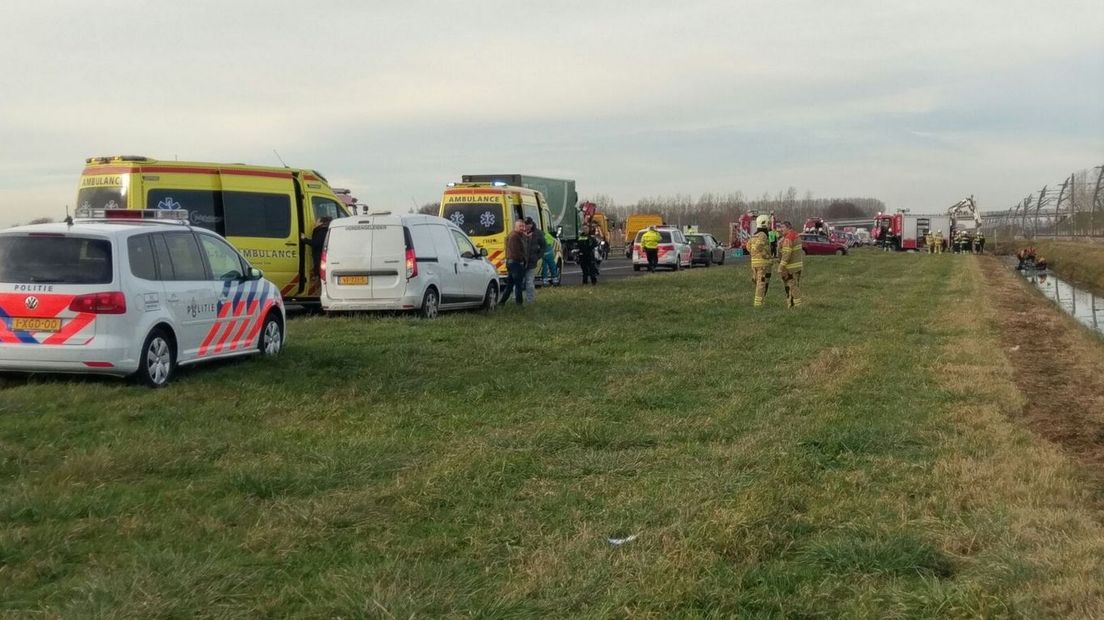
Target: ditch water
[(1078, 303)]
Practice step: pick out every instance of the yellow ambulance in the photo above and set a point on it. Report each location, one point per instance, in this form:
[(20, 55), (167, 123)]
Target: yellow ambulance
[(261, 210), (487, 213)]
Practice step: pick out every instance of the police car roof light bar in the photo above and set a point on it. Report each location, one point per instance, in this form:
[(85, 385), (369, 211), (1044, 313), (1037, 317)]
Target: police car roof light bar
[(167, 215)]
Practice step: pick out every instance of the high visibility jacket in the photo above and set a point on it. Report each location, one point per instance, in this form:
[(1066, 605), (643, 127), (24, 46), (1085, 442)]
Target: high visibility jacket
[(929, 240), (650, 240), (789, 252), (759, 249)]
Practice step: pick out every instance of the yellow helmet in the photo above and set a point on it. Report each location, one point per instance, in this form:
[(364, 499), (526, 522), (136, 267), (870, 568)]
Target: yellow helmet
[(763, 221)]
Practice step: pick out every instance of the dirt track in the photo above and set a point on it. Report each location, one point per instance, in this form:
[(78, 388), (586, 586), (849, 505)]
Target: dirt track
[(1058, 364)]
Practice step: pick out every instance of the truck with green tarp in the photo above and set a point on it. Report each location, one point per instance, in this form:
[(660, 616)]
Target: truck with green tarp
[(560, 195)]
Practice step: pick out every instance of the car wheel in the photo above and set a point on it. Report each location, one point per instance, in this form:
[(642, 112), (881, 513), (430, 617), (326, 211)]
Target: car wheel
[(490, 300), (708, 262), (678, 265), (272, 336), (431, 304), (157, 362), (841, 252), (721, 262)]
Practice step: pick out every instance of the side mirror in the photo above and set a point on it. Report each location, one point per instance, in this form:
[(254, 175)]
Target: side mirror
[(254, 274), (467, 254), (483, 252)]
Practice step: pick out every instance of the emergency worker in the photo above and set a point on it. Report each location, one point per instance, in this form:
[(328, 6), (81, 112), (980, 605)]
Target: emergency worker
[(789, 266), (929, 242), (938, 239), (550, 272), (979, 242), (772, 236), (588, 244), (649, 242), (759, 248)]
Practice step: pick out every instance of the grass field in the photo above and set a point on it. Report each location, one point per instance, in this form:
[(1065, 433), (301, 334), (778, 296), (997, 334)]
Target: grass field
[(856, 458)]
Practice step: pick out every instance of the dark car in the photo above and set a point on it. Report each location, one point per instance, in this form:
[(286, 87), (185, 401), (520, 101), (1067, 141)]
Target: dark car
[(705, 249), (814, 244)]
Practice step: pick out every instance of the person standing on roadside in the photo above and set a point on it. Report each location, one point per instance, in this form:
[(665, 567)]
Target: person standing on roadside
[(534, 253), (789, 265), (759, 249), (649, 242), (550, 271), (772, 237), (517, 251), (316, 242), (588, 262)]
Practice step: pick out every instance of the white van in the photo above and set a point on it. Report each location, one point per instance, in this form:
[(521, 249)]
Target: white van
[(424, 263)]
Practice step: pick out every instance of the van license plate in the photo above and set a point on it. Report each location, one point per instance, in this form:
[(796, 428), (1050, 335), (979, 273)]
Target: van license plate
[(352, 280), (36, 325)]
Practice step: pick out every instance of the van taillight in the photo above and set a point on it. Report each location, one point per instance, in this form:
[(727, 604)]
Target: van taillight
[(322, 267), (666, 246), (99, 303), (411, 264)]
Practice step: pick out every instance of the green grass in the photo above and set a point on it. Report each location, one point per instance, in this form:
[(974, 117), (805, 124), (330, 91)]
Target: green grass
[(810, 463)]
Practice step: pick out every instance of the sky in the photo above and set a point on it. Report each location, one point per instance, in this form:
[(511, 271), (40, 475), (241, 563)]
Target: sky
[(916, 103)]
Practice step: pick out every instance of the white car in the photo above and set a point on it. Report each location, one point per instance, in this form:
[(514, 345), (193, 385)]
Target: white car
[(422, 263), (130, 293), (674, 250)]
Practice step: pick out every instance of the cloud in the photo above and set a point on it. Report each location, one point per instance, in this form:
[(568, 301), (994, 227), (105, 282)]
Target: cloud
[(911, 102)]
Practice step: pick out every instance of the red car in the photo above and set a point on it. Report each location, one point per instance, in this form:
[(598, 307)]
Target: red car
[(814, 244)]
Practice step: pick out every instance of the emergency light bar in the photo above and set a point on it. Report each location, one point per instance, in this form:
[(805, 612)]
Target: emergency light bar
[(171, 215)]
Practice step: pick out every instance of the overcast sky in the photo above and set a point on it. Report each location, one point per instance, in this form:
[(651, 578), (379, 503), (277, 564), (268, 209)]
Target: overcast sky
[(916, 103)]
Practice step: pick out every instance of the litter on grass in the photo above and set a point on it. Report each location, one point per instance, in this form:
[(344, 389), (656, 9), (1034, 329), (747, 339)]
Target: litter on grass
[(617, 542)]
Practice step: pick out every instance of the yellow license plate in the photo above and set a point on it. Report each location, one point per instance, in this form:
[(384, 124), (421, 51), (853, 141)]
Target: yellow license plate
[(352, 280), (36, 325)]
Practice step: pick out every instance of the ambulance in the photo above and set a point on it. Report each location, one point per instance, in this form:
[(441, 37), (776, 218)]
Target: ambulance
[(261, 210), (486, 212)]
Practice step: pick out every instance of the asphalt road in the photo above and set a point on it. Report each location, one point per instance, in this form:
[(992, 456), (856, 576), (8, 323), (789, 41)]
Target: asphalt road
[(618, 267)]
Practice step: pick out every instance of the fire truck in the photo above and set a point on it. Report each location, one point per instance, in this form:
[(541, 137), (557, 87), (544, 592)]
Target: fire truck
[(906, 230), (740, 232)]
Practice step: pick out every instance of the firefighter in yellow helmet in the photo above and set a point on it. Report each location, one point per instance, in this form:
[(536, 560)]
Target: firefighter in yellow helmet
[(758, 247), (929, 241), (789, 266), (938, 240)]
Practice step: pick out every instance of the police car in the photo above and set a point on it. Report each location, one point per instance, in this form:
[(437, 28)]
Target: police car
[(130, 292)]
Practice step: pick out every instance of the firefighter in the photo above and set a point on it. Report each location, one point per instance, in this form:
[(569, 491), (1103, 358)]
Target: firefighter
[(938, 239), (929, 242), (979, 242), (789, 266), (649, 242), (1040, 263), (759, 248)]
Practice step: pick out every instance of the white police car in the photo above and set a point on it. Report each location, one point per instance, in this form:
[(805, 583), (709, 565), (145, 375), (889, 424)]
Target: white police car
[(130, 292)]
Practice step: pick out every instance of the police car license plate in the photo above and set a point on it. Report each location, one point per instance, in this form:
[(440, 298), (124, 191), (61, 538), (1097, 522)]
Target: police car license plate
[(352, 280), (36, 325)]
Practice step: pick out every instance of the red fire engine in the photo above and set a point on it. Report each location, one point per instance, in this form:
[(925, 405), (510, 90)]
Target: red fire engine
[(906, 231), (740, 232)]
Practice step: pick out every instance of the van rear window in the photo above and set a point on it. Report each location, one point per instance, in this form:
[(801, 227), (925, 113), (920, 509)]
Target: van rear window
[(102, 198), (55, 260), (478, 219)]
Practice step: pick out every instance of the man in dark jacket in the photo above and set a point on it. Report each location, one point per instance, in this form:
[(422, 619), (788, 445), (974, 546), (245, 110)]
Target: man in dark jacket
[(316, 241), (517, 252), (535, 252), (587, 243)]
